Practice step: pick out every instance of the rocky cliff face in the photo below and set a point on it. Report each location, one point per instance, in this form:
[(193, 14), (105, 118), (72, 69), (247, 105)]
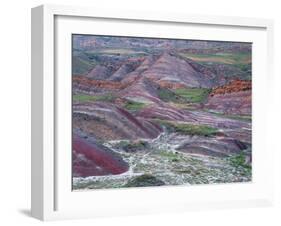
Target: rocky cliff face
[(233, 98), (233, 87)]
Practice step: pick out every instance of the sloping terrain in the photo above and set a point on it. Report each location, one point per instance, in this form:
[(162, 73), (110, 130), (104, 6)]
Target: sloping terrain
[(171, 68), (106, 121), (92, 159), (149, 112), (233, 98)]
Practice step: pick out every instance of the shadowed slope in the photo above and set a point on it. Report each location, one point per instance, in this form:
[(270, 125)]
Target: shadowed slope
[(91, 159), (108, 122)]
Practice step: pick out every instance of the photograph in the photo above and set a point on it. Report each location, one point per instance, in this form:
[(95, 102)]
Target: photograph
[(160, 112)]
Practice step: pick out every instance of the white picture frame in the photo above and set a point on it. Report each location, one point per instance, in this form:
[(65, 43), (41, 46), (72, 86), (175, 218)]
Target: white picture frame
[(52, 197)]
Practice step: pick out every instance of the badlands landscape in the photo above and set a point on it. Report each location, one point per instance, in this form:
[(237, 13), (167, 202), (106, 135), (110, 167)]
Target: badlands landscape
[(156, 112)]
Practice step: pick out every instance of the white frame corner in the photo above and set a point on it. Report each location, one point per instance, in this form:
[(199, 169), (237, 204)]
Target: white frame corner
[(43, 93)]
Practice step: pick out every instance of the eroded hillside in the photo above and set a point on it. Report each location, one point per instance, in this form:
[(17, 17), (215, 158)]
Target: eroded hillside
[(160, 116)]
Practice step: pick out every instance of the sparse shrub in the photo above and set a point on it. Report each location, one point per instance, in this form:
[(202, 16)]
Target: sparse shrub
[(132, 146), (169, 96), (172, 156), (175, 160), (239, 160), (144, 180)]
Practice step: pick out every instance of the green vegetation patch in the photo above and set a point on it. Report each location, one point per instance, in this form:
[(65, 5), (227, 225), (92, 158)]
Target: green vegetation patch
[(193, 95), (86, 98), (239, 160), (129, 146), (224, 58), (134, 106), (184, 95), (167, 95), (81, 66), (244, 67), (239, 60), (189, 129), (144, 180), (171, 156)]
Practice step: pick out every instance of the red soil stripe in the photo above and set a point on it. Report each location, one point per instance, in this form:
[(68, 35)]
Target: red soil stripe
[(102, 162)]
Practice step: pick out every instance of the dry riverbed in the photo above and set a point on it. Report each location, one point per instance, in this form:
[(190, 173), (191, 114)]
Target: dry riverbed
[(156, 163)]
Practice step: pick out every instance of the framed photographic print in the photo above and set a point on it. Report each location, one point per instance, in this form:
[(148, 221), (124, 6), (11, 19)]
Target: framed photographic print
[(137, 112)]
